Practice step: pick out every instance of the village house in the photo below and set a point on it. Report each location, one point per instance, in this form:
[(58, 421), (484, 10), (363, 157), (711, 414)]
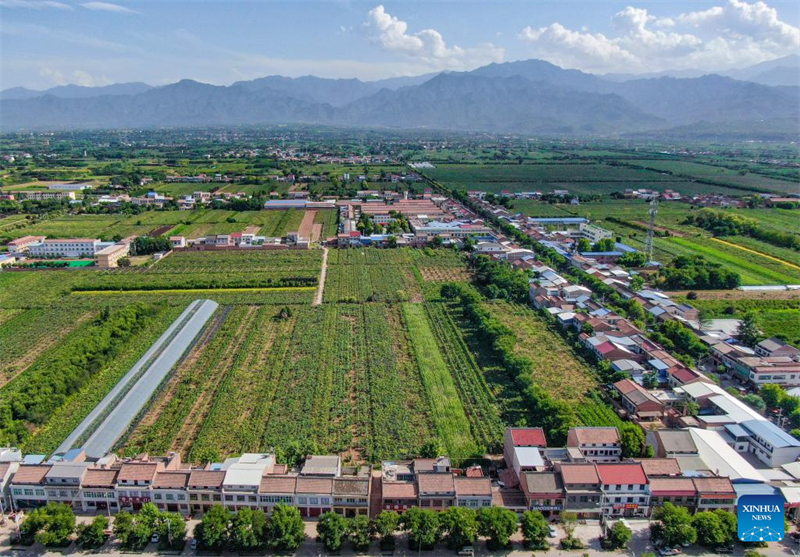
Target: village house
[(596, 444)]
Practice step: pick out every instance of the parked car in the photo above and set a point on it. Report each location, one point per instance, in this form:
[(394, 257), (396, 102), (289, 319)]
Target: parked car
[(668, 551), (467, 551), (723, 550), (553, 531), (193, 545), (154, 538)]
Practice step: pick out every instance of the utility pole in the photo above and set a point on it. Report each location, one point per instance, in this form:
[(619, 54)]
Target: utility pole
[(648, 246)]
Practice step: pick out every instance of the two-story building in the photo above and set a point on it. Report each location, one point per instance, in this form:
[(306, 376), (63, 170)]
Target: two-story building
[(596, 444), (626, 490)]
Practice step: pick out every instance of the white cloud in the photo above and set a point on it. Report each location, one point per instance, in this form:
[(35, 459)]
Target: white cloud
[(77, 77), (34, 4), (108, 7), (735, 34), (427, 46)]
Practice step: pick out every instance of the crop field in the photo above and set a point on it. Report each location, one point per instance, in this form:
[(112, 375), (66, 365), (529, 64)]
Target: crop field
[(556, 369), (754, 268), (370, 275), (721, 176), (28, 334), (192, 224), (332, 378), (583, 178), (211, 270)]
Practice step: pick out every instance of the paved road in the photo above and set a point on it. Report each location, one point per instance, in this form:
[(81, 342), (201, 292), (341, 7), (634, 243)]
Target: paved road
[(156, 363)]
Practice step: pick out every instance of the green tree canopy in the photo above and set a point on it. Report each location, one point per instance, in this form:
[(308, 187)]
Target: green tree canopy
[(51, 525), (359, 533), (332, 530), (461, 526), (498, 524), (92, 535), (214, 528), (285, 529), (423, 527), (535, 530), (672, 525)]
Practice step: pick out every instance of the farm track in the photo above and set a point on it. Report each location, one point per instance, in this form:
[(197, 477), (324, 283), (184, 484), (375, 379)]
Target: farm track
[(322, 276), (762, 254), (201, 407)]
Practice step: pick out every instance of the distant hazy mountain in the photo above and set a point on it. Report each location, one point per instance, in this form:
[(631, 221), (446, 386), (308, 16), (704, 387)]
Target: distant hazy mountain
[(474, 102), (76, 91), (781, 71), (527, 97), (335, 92)]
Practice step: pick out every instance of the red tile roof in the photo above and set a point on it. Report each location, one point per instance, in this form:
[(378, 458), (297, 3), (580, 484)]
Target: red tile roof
[(528, 437), (100, 478), (660, 467), (628, 473), (277, 484), (473, 486), (314, 485), (31, 474), (171, 480), (716, 486), (206, 479), (399, 490), (435, 483), (579, 474), (672, 487), (140, 471)]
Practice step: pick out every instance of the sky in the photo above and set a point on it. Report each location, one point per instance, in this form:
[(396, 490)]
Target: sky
[(44, 43)]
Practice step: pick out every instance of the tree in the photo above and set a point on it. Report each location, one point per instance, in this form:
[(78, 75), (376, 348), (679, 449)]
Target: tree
[(498, 524), (617, 537), (461, 526), (772, 395), (247, 529), (331, 530), (535, 530), (93, 535), (214, 528), (729, 523), (583, 245), (637, 283), (51, 525), (423, 527), (385, 525), (633, 439), (285, 529), (748, 330), (569, 520), (123, 527), (171, 530), (359, 533), (672, 525), (391, 242)]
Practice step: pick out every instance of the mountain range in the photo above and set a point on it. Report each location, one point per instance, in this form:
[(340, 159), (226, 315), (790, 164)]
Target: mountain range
[(531, 96)]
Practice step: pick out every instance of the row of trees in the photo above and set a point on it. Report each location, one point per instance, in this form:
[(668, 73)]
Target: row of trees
[(721, 223), (251, 530), (457, 526), (54, 526), (674, 526)]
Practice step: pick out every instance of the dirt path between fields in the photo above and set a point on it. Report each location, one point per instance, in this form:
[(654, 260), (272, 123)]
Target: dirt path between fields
[(322, 274), (307, 225), (762, 254)]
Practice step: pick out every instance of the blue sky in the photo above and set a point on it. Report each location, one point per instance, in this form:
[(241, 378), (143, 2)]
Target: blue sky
[(52, 42)]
